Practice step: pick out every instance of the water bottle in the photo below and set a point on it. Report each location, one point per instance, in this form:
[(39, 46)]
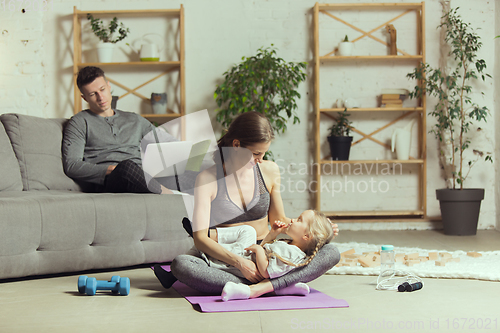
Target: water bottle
[(387, 261)]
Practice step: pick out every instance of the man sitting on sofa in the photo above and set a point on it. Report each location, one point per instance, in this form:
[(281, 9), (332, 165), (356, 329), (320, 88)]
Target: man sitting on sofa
[(101, 146)]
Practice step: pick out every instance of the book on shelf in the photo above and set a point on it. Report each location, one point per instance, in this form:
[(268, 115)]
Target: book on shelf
[(391, 101), (392, 96), (391, 105)]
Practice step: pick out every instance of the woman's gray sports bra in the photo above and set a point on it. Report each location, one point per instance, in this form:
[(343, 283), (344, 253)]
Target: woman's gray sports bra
[(225, 211)]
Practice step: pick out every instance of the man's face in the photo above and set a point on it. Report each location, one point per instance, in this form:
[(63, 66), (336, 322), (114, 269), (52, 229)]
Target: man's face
[(98, 95)]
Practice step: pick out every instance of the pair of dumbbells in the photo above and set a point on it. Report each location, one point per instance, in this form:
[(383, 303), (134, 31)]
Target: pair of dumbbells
[(117, 285)]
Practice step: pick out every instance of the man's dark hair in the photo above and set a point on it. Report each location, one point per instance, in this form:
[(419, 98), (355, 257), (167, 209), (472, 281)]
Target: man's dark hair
[(88, 75)]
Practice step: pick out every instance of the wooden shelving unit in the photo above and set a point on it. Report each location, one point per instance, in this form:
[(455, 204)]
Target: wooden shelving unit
[(402, 57), (163, 67)]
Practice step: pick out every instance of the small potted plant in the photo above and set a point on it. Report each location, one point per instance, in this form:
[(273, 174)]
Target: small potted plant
[(108, 36), (345, 47), (456, 114), (339, 139)]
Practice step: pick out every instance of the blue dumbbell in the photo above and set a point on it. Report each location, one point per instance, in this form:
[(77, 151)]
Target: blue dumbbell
[(117, 285)]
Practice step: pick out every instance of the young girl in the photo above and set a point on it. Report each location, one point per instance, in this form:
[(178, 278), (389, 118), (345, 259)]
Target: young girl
[(275, 258)]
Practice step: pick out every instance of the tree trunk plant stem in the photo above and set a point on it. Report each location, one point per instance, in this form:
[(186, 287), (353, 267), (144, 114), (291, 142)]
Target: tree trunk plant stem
[(455, 107)]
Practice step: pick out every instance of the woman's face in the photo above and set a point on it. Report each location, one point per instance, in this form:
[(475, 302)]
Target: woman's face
[(258, 151), (251, 154)]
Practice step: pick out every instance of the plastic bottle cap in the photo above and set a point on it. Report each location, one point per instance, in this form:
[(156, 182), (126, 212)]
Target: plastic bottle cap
[(387, 248)]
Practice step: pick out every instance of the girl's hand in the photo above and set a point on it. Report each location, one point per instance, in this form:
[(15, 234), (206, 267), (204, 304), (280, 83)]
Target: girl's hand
[(250, 271), (278, 227), (254, 248)]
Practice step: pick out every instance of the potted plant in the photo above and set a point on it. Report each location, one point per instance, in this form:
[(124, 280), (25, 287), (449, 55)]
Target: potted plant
[(339, 139), (108, 36), (263, 83), (456, 114), (345, 47)]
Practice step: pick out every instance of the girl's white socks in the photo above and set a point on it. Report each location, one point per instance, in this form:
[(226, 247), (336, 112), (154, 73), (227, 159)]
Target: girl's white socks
[(300, 289), (235, 291)]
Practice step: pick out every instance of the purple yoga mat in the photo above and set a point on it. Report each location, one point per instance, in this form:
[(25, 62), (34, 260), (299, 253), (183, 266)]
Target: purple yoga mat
[(210, 303)]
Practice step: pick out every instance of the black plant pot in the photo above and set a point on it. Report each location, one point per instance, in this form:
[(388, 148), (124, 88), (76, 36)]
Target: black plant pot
[(460, 210), (340, 146)]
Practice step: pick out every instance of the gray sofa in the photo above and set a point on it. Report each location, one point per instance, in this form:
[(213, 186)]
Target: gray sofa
[(49, 225)]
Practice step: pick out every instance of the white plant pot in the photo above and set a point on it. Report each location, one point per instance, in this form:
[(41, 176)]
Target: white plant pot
[(105, 52), (345, 49)]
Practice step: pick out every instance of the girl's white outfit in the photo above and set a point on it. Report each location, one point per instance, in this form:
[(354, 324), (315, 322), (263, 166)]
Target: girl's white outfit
[(236, 239)]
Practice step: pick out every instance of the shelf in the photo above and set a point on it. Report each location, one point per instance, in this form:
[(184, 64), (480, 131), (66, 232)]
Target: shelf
[(411, 161), (175, 17), (380, 216), (151, 64), (416, 109), (364, 6), (403, 213), (129, 13), (370, 57), (351, 15)]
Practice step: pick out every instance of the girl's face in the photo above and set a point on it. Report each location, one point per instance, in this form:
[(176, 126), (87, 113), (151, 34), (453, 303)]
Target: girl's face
[(298, 229)]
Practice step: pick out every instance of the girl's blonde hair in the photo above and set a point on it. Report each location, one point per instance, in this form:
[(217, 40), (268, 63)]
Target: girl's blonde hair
[(320, 233)]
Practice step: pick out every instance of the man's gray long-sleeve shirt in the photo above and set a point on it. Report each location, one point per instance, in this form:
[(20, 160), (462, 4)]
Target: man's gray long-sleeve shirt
[(91, 143)]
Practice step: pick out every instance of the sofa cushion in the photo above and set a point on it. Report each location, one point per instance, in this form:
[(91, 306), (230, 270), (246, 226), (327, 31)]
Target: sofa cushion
[(10, 175), (37, 146), (49, 232)]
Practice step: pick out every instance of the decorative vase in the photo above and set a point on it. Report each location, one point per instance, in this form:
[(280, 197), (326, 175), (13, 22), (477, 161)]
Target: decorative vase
[(105, 52), (345, 49), (340, 147), (401, 141), (159, 103), (351, 103), (460, 210)]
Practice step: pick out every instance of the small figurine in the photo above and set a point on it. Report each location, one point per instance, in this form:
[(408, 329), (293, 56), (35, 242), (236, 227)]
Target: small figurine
[(392, 44)]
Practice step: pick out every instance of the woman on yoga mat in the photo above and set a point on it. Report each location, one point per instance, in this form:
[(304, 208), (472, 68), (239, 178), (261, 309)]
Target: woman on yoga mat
[(274, 258), (241, 189)]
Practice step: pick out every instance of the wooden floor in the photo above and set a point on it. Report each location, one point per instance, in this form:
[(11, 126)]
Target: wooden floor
[(443, 305)]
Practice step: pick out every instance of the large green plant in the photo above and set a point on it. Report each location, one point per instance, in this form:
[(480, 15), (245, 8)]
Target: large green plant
[(455, 112), (263, 83), (107, 34)]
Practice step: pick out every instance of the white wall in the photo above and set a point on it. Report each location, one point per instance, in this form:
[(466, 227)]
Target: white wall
[(36, 78), (496, 115)]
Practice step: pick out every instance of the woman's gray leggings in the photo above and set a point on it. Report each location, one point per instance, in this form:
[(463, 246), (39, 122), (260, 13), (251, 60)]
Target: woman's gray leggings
[(195, 272)]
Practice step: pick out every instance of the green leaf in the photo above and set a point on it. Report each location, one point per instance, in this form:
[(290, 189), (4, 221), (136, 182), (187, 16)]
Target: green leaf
[(263, 83)]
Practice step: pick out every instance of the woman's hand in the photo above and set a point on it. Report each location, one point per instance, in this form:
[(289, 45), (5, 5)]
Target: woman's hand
[(260, 259), (249, 270), (335, 228)]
